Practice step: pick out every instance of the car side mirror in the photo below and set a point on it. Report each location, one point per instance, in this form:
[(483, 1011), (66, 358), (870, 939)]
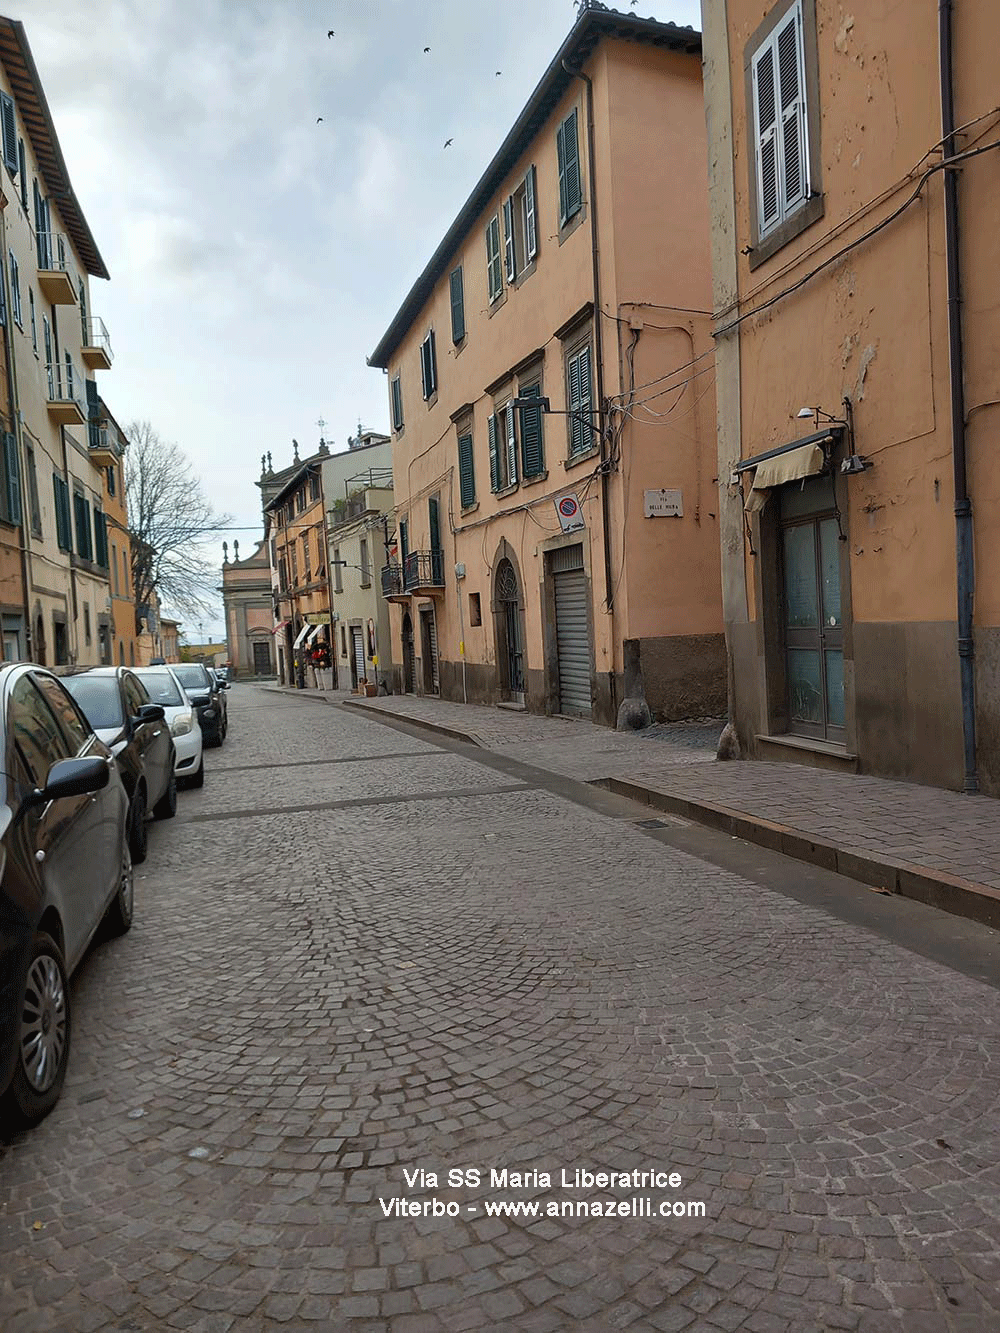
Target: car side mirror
[(72, 777), (151, 713)]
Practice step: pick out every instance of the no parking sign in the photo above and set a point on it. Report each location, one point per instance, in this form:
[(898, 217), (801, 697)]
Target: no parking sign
[(570, 514)]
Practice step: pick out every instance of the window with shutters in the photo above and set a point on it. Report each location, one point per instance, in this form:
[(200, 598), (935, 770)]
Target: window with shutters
[(396, 402), (15, 289), (494, 260), (34, 327), (784, 119), (579, 399), (36, 509), (365, 563), (60, 490), (84, 537), (466, 465), (101, 538), (457, 294), (306, 558), (502, 430), (428, 366), (23, 174), (568, 157), (9, 119), (314, 487), (10, 498), (532, 435), (520, 228), (293, 555), (338, 571)]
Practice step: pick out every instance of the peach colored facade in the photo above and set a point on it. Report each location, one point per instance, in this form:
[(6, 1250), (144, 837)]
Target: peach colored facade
[(123, 645), (492, 600), (855, 321)]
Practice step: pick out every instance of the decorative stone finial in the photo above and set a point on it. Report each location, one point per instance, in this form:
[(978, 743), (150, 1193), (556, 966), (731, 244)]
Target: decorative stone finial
[(236, 549), (296, 443), (263, 469), (225, 553), (270, 466)]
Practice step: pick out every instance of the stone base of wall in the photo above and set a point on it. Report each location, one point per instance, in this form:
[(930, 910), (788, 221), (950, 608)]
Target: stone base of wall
[(684, 676)]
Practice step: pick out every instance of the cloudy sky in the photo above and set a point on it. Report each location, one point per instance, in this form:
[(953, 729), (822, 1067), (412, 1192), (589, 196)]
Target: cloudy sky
[(256, 256)]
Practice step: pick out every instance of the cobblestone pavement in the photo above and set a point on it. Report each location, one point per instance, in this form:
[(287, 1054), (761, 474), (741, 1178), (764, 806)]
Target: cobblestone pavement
[(357, 953), (924, 826)]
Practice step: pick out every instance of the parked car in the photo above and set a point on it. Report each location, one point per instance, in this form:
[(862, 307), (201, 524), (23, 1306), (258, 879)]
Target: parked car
[(181, 717), (64, 816), (115, 703), (208, 697)]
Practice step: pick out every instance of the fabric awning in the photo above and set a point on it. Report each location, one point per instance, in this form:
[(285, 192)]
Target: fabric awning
[(313, 632), (792, 465), (279, 628), (301, 635)]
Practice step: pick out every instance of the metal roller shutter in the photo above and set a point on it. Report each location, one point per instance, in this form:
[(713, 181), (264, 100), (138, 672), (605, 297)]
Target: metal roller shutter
[(572, 633), (358, 648), (432, 636)]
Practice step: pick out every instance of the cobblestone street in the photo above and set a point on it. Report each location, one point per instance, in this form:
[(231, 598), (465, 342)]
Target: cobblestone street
[(360, 952)]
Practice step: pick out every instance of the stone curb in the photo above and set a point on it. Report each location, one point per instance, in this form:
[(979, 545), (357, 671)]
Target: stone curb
[(937, 888), (415, 722)]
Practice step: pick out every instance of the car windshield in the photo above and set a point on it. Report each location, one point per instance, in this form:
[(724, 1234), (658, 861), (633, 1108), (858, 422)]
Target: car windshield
[(100, 699), (161, 688), (192, 676)]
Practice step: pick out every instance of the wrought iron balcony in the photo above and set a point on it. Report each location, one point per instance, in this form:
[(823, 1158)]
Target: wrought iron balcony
[(55, 268), (105, 448), (392, 581), (96, 351), (423, 571), (65, 389)]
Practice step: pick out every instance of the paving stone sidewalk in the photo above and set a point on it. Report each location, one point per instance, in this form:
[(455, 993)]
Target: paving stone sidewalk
[(922, 841)]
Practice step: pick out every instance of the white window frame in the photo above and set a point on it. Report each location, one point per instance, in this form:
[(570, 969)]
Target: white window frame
[(396, 401), (428, 366), (494, 260), (788, 132)]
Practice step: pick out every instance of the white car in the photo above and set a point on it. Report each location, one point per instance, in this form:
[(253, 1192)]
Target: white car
[(165, 689)]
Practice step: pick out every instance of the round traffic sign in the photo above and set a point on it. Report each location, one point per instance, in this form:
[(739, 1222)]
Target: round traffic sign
[(568, 506)]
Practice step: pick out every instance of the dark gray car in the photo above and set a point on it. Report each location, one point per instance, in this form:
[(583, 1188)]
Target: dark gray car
[(64, 867)]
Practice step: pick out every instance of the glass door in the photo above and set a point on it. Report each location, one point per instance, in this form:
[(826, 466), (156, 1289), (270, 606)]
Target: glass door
[(813, 624)]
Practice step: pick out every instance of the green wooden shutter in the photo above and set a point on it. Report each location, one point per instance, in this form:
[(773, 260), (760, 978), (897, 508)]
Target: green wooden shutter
[(532, 451), (466, 471), (432, 360), (457, 306), (571, 158), (100, 539), (494, 269), (434, 522), (12, 473), (404, 549), (93, 413), (61, 491), (9, 133), (561, 157), (494, 453), (396, 390)]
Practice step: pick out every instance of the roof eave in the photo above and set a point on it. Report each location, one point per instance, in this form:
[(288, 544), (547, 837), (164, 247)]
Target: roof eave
[(580, 42), (56, 176)]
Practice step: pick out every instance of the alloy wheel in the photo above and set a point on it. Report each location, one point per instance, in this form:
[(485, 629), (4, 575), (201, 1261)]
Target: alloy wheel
[(43, 1023)]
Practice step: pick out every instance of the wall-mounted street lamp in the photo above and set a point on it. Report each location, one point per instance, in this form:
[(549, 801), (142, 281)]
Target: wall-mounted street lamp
[(543, 403), (853, 463)]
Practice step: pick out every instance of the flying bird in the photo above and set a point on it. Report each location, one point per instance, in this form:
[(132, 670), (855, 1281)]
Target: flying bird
[(448, 143), (426, 49), (332, 34), (498, 73), (318, 119)]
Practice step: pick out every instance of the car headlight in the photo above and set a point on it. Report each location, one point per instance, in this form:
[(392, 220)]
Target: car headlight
[(182, 724)]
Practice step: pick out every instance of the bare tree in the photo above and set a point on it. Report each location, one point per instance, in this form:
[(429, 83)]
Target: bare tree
[(169, 517)]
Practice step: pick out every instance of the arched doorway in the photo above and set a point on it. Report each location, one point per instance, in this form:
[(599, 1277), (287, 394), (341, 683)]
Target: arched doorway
[(407, 654), (509, 612)]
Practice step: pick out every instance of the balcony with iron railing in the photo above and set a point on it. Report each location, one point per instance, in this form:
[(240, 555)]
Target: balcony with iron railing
[(96, 351), (392, 582), (65, 393), (56, 275), (423, 571), (105, 449)]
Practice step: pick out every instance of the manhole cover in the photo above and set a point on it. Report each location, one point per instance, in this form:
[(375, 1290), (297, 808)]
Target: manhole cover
[(651, 823)]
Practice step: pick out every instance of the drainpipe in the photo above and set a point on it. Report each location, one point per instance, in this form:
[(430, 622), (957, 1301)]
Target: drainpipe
[(15, 421), (963, 504), (599, 358)]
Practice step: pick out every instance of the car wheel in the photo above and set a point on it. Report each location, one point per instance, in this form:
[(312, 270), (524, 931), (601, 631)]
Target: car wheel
[(119, 915), (43, 1035), (166, 806), (137, 831), (198, 779)]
